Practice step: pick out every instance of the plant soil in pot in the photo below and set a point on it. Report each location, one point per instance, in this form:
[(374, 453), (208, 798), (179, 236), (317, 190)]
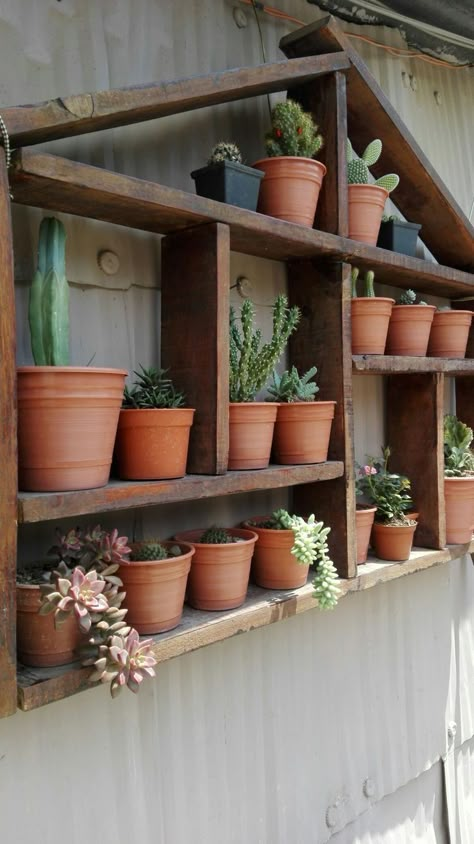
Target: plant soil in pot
[(449, 334), (220, 568), (458, 481), (410, 325), (39, 642), (226, 179), (398, 236), (366, 201), (364, 524), (370, 317), (155, 581)]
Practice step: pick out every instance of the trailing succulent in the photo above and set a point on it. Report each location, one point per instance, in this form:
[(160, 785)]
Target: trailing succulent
[(368, 283), (293, 132), (218, 536), (358, 168), (458, 456), (225, 151), (152, 390), (408, 297), (252, 360), (290, 387), (153, 550), (48, 308), (388, 491)]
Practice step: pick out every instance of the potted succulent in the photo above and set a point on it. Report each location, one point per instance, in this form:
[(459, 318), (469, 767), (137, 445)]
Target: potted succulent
[(226, 179), (393, 529), (153, 429), (293, 179), (287, 546), (365, 515), (252, 361), (220, 568), (58, 403), (303, 425), (370, 317), (154, 578), (458, 480), (449, 333), (366, 201), (397, 235), (410, 325)]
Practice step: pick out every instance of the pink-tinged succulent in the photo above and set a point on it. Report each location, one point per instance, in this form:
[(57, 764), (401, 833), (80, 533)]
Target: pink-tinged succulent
[(92, 548), (124, 662), (81, 594)]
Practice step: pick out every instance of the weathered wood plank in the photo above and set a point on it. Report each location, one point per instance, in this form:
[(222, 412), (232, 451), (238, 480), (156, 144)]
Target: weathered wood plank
[(79, 114), (392, 364), (421, 196)]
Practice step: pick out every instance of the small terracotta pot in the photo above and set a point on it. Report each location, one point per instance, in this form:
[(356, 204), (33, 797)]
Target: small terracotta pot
[(459, 508), (290, 188), (449, 334), (302, 432), (219, 573), (39, 643), (366, 205), (370, 317), (273, 564), (67, 420), (393, 542), (409, 330), (153, 444), (251, 426), (364, 523), (155, 590)]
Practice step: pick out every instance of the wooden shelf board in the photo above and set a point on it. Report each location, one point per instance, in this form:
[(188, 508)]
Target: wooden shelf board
[(56, 184), (398, 364), (38, 686), (121, 495)]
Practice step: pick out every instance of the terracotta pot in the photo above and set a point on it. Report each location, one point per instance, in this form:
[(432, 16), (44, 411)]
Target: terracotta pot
[(251, 426), (219, 573), (370, 317), (155, 590), (67, 420), (302, 432), (290, 188), (39, 643), (273, 564), (393, 542), (459, 507), (153, 444), (409, 330), (366, 205), (449, 334), (364, 523)]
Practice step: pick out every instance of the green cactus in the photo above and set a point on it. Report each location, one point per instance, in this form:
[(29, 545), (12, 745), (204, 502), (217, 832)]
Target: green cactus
[(293, 132), (48, 310), (354, 277), (145, 551), (224, 151), (369, 283), (358, 168), (217, 536)]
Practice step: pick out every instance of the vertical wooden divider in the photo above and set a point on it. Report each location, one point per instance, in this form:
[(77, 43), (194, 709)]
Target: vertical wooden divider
[(415, 408), (8, 456), (195, 336)]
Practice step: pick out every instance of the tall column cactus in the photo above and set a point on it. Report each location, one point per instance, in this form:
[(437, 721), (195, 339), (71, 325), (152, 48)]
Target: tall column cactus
[(48, 311)]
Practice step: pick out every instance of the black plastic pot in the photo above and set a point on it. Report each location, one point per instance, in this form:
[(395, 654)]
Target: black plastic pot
[(399, 236), (230, 182)]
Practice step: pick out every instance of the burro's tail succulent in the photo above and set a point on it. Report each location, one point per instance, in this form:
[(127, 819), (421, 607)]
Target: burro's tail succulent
[(48, 311), (358, 168)]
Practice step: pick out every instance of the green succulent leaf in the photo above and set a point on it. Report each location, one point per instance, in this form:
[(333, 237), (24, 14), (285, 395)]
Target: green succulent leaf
[(372, 152), (389, 182)]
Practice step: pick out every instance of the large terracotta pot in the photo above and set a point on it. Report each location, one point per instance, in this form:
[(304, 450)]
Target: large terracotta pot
[(155, 590), (152, 444), (449, 334), (219, 573), (459, 508), (67, 420), (39, 643), (393, 542), (364, 523), (302, 432), (409, 330), (366, 205), (273, 564), (290, 188), (251, 426), (370, 317)]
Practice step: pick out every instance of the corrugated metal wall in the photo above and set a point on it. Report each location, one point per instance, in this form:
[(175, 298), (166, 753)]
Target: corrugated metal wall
[(278, 736)]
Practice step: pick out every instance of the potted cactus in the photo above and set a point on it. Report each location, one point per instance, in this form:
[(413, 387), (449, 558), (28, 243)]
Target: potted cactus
[(251, 423), (398, 235), (449, 333), (366, 201), (153, 429), (293, 179), (227, 179), (458, 480), (303, 425), (410, 325), (58, 403), (370, 317), (220, 568)]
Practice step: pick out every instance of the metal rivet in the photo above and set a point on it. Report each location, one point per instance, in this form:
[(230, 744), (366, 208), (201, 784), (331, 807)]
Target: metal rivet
[(108, 262), (368, 787)]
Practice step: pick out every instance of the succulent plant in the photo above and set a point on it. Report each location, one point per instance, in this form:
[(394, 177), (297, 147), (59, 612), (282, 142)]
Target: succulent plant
[(82, 595), (408, 297), (225, 151), (458, 456), (368, 282), (290, 387), (90, 548), (152, 390), (358, 168), (124, 661), (388, 491), (251, 360), (143, 551), (217, 536), (48, 308), (293, 132)]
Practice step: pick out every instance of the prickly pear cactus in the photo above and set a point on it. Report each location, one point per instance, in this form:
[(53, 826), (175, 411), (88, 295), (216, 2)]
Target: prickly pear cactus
[(48, 310), (358, 168)]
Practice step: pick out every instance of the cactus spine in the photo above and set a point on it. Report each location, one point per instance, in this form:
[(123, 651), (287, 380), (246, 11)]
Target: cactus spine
[(48, 310)]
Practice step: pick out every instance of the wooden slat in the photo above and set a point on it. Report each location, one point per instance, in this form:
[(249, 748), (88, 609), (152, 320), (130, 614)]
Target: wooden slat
[(64, 117), (56, 184), (195, 336), (122, 495), (421, 196), (391, 364)]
